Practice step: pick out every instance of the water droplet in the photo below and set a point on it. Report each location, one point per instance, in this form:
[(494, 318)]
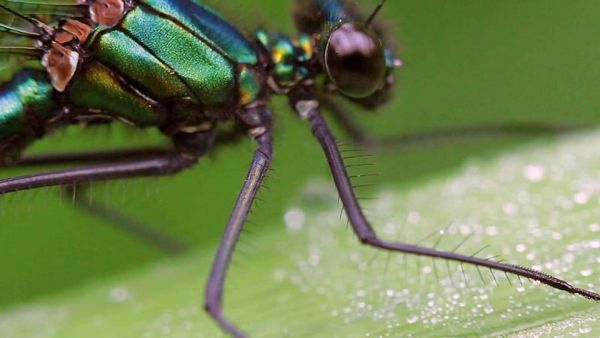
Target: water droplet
[(491, 231), (294, 219), (412, 319), (119, 294), (509, 208), (534, 173), (464, 229), (413, 217), (581, 197)]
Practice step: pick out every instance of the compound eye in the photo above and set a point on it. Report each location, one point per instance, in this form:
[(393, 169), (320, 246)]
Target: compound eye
[(355, 60)]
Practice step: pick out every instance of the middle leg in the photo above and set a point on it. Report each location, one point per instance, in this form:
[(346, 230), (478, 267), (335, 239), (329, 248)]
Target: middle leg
[(214, 287)]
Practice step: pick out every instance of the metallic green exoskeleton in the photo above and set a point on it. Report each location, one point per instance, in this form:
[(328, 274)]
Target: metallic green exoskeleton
[(178, 66), (172, 64)]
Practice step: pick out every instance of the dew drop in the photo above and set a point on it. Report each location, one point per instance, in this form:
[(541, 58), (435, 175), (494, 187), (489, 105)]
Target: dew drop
[(119, 294), (509, 208), (581, 198), (412, 319), (294, 219), (413, 217), (491, 231), (534, 173)]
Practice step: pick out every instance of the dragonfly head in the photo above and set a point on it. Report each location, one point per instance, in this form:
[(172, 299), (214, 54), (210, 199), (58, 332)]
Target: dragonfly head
[(350, 50), (357, 63)]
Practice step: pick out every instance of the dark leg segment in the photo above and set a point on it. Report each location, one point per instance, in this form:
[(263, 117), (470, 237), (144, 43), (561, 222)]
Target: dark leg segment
[(214, 288), (309, 109), (439, 136), (82, 199), (142, 231), (160, 165)]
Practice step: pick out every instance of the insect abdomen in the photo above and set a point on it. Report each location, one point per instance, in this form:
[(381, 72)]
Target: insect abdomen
[(26, 103)]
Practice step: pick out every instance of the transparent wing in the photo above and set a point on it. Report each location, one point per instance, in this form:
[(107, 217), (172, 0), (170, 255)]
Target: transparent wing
[(17, 33)]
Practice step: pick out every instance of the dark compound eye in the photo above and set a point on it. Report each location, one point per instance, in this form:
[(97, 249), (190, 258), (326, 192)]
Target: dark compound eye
[(355, 60)]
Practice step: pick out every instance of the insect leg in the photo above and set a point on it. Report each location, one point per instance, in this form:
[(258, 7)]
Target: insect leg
[(158, 165), (214, 288), (82, 200), (437, 136), (309, 109)]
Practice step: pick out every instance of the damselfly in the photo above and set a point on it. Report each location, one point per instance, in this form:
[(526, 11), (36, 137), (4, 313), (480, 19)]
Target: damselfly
[(179, 67)]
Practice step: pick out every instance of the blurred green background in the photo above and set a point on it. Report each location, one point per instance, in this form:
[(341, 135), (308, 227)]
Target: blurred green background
[(465, 63)]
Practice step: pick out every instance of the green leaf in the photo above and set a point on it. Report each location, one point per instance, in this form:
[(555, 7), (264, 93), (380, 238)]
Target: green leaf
[(537, 206)]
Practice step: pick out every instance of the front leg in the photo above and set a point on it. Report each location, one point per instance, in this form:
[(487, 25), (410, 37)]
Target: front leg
[(261, 133), (308, 108)]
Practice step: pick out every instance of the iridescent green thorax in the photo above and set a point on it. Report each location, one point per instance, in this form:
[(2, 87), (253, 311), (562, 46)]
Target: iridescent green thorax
[(290, 58), (27, 96), (164, 59)]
